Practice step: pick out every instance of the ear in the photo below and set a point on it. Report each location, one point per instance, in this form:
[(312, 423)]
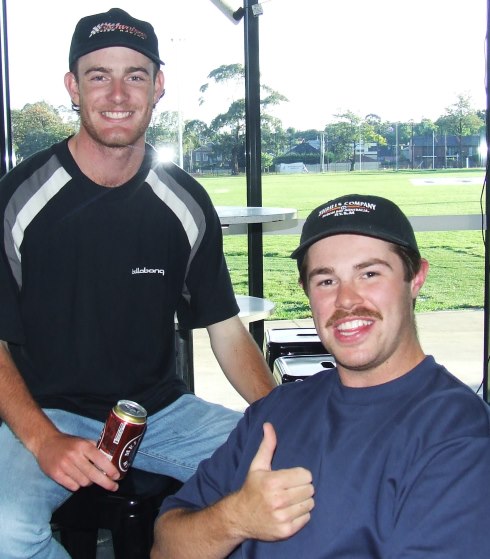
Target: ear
[(71, 85), (159, 87), (419, 279)]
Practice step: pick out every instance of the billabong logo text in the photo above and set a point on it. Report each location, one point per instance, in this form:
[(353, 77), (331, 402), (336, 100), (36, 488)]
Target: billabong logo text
[(148, 271)]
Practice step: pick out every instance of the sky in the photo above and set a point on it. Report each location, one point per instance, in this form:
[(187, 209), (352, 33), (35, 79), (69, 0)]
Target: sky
[(398, 60)]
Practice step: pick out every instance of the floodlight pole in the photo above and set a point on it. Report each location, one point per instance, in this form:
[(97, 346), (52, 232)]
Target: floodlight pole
[(253, 157)]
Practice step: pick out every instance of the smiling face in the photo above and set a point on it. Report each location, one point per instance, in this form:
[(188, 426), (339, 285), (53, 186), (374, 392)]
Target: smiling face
[(363, 307), (116, 90)]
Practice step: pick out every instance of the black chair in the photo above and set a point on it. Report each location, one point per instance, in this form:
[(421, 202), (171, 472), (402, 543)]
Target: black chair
[(129, 514), (281, 342), (294, 368)]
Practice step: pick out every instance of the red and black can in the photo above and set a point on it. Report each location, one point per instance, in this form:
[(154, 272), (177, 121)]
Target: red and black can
[(122, 434)]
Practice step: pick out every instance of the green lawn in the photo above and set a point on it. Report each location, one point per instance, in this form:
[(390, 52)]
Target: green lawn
[(456, 279)]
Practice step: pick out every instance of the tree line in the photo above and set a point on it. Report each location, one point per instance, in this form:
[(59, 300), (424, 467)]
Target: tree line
[(38, 125)]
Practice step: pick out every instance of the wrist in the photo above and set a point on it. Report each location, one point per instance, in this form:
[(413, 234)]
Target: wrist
[(233, 515), (40, 431)]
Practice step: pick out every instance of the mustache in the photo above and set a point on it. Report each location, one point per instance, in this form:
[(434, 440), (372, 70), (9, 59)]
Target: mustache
[(361, 312)]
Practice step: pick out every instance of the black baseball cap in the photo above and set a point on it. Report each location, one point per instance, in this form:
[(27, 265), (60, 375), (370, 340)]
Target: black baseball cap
[(115, 28), (372, 216)]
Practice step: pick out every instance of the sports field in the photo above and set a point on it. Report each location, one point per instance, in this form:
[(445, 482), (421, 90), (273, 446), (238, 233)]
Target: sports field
[(456, 279)]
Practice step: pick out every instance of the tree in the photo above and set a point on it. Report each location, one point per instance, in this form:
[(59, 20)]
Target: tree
[(232, 121), (37, 126), (350, 131), (227, 73), (163, 129), (196, 133), (274, 139), (267, 161), (461, 120)]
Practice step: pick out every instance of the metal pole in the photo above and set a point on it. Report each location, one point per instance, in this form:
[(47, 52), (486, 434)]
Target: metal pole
[(411, 145), (6, 161), (396, 146), (445, 150), (181, 139), (322, 152), (326, 148), (360, 148), (433, 150), (253, 157)]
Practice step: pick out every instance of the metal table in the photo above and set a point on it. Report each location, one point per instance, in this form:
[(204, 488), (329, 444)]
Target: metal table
[(233, 215), (254, 308), (249, 220)]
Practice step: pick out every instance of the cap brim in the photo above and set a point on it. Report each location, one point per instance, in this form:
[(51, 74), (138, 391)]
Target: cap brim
[(303, 247)]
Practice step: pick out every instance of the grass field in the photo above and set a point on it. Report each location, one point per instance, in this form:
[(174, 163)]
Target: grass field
[(456, 279)]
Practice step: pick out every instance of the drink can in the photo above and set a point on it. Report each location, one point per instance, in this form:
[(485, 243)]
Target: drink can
[(122, 434)]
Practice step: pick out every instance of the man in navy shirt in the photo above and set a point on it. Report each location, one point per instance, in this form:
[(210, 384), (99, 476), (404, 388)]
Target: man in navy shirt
[(386, 456)]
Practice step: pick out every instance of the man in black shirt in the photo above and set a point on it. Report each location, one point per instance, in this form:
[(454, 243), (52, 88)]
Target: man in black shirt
[(102, 246)]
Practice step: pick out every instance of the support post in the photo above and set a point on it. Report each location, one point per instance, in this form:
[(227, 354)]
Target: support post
[(253, 157), (486, 309)]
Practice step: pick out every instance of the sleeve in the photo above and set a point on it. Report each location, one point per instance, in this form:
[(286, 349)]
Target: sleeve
[(210, 296), (10, 317), (222, 473), (443, 499)]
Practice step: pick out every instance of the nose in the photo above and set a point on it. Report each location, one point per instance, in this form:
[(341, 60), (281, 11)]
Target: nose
[(348, 296), (118, 91)]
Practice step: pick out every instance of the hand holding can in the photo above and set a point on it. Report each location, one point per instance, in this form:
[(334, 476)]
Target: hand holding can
[(122, 434)]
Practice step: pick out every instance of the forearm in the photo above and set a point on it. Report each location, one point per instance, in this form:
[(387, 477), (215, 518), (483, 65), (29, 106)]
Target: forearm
[(17, 406), (250, 378), (204, 534), (241, 359), (71, 461)]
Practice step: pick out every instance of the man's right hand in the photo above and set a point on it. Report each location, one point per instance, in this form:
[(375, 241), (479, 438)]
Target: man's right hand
[(270, 506), (71, 461), (273, 505), (74, 462)]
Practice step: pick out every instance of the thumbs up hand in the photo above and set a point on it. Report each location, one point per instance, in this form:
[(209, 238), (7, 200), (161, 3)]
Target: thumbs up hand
[(273, 505), (265, 453)]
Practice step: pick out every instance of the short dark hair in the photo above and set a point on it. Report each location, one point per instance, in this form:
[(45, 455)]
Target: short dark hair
[(411, 260)]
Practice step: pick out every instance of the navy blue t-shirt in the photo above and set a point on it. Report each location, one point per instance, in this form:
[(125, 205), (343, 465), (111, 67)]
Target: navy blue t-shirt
[(91, 279), (400, 470)]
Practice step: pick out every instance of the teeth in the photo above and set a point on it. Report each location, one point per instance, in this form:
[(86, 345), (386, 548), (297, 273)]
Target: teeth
[(353, 324), (116, 115)]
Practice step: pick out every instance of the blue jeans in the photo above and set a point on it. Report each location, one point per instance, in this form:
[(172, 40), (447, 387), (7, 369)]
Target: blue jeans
[(176, 440)]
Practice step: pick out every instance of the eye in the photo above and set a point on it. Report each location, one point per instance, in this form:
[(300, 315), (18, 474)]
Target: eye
[(325, 282), (137, 78)]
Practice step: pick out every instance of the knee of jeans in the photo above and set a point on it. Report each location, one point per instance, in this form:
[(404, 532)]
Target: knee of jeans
[(24, 537)]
